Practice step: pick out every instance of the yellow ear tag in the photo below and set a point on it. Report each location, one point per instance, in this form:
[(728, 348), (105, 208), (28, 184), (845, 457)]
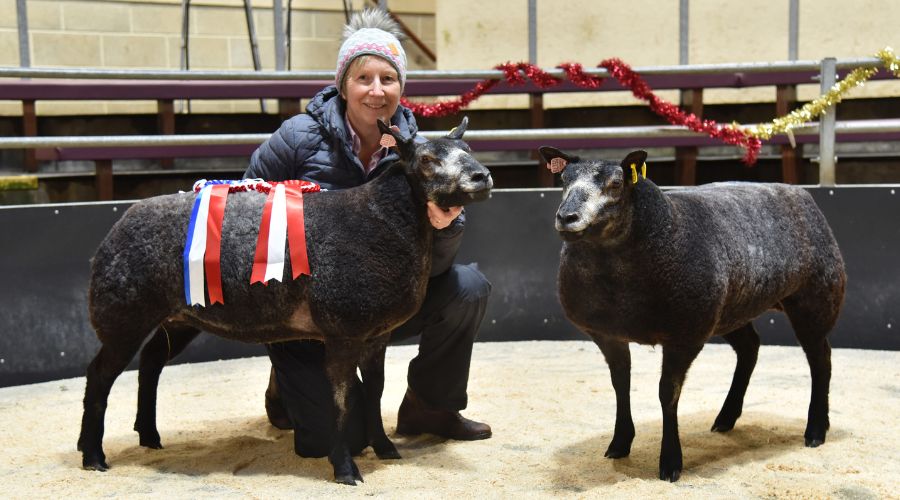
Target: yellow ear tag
[(634, 177), (644, 170)]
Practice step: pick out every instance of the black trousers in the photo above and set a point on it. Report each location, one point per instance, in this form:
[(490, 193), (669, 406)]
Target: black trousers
[(447, 322)]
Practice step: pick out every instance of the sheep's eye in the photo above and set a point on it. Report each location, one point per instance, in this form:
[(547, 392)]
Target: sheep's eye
[(426, 159)]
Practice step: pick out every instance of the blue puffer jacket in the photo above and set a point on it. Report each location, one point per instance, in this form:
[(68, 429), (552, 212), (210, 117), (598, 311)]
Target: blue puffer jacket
[(316, 146)]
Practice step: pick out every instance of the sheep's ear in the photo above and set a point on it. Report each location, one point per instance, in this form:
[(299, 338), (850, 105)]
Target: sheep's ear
[(457, 132), (635, 158), (556, 160)]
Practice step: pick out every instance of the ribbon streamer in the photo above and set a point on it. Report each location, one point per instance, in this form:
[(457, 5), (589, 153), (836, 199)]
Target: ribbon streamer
[(217, 198), (186, 255), (277, 236), (197, 248), (260, 258), (296, 231)]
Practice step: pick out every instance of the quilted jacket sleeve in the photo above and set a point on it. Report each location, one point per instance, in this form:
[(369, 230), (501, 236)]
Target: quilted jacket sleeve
[(446, 245), (284, 153)]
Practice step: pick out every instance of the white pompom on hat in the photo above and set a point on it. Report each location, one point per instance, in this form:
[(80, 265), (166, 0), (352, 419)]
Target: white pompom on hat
[(371, 32)]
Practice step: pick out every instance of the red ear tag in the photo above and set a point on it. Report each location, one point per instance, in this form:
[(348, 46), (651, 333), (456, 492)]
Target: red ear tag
[(557, 165), (387, 141)]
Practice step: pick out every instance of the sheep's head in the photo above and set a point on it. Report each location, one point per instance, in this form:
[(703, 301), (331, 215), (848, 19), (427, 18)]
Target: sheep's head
[(596, 194), (445, 168)]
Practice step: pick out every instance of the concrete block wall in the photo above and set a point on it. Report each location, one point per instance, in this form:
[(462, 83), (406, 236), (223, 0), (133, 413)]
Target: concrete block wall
[(466, 34), (146, 34), (473, 34)]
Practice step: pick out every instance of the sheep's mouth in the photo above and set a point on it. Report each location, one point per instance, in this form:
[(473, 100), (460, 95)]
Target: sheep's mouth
[(480, 195), (459, 198), (571, 235)]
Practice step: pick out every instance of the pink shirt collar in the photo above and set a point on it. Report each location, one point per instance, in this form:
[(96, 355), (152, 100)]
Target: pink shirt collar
[(356, 146)]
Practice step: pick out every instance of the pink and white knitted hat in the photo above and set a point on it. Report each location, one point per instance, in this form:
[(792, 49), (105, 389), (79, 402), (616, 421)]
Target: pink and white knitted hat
[(372, 32)]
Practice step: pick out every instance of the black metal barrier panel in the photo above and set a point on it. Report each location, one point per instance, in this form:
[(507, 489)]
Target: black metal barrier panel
[(45, 333)]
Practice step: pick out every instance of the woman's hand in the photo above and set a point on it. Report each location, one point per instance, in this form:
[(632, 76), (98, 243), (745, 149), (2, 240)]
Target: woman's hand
[(440, 217)]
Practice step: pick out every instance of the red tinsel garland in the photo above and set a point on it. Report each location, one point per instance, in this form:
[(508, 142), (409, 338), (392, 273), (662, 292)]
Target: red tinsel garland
[(674, 115), (513, 74)]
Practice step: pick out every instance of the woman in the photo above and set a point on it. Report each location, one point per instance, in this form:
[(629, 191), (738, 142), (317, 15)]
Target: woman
[(336, 144)]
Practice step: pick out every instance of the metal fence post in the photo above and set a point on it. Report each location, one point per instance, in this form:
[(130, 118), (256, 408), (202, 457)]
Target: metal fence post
[(826, 127)]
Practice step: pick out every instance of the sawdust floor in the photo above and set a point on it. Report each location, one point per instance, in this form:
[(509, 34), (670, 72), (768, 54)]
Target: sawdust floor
[(552, 409)]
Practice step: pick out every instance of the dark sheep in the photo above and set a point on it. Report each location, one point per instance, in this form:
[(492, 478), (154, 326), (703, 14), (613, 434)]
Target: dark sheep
[(676, 268), (370, 254)]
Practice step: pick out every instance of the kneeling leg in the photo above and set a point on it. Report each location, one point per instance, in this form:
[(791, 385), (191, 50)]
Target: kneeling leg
[(372, 369)]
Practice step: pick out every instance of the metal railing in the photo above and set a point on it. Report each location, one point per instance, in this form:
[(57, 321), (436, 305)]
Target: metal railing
[(475, 136), (827, 71)]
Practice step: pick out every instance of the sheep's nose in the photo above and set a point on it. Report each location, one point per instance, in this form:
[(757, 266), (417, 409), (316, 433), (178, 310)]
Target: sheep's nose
[(567, 219), (480, 177)]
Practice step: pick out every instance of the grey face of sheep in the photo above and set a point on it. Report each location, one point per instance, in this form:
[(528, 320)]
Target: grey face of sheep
[(449, 174), (595, 195)]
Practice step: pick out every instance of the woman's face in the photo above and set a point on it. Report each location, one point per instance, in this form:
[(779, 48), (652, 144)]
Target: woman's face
[(372, 91)]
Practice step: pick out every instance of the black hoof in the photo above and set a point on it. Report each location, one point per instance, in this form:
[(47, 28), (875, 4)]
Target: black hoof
[(670, 475), (725, 421), (619, 447), (386, 450), (814, 442), (97, 464), (347, 479), (153, 445), (722, 427), (617, 452), (388, 454), (150, 439), (670, 469)]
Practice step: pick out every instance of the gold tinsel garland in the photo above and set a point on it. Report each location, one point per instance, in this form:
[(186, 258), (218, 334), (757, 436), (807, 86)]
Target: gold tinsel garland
[(817, 108), (14, 182)]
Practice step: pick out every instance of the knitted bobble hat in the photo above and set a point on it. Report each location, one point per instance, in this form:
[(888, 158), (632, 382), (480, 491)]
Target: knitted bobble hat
[(371, 31)]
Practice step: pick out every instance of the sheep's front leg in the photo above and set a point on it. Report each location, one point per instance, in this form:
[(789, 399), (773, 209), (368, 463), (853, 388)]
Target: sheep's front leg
[(372, 368), (676, 361), (618, 358), (341, 359)]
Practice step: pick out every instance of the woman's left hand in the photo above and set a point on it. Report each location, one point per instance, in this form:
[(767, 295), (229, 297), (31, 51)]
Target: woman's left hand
[(442, 217)]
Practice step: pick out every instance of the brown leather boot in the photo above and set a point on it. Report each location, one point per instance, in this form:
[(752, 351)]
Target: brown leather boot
[(274, 409), (415, 417)]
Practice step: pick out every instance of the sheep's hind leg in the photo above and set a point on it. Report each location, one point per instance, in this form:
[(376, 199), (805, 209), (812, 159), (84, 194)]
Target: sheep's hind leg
[(341, 359), (676, 361), (618, 358), (818, 354), (745, 342), (168, 342), (811, 324), (106, 366), (372, 368)]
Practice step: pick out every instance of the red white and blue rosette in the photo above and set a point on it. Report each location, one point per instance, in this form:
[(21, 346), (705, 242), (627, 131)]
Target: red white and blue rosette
[(282, 222)]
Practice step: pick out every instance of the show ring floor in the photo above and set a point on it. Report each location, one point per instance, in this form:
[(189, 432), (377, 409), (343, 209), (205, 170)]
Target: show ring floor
[(552, 409)]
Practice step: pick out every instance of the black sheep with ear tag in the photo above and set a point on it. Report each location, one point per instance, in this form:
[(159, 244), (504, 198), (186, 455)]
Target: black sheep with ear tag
[(677, 268)]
